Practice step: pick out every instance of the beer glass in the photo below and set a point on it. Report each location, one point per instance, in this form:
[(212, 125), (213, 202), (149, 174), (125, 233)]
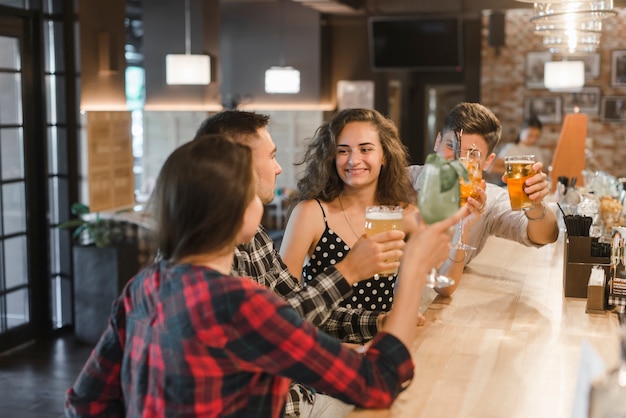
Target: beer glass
[(517, 169), (380, 219)]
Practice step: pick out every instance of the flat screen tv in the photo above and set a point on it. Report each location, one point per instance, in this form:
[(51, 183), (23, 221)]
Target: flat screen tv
[(416, 43)]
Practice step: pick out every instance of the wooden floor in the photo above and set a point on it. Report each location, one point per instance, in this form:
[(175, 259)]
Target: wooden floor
[(33, 379)]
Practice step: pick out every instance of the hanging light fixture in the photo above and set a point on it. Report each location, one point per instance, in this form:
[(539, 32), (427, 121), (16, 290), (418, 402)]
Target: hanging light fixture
[(564, 76), (570, 26), (187, 68), (281, 78)]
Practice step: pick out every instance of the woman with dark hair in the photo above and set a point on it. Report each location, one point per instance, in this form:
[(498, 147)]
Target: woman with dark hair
[(354, 160), (186, 338)]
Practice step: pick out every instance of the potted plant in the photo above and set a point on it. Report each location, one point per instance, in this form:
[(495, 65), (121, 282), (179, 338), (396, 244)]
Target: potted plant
[(91, 228), (104, 258)]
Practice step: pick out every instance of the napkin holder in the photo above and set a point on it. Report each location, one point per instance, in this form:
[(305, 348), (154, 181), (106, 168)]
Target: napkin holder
[(577, 265), (596, 290)]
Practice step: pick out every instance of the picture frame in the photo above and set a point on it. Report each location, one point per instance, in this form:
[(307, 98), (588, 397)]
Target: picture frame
[(535, 61), (618, 68), (352, 94), (587, 101), (613, 109), (547, 108), (592, 64)]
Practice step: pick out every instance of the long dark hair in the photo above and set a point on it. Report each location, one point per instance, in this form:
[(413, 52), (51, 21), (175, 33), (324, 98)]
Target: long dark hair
[(201, 195), (320, 178)]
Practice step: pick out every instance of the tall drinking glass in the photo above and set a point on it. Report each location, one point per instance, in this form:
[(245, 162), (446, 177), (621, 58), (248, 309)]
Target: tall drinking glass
[(517, 169), (439, 198), (380, 219), (471, 162)]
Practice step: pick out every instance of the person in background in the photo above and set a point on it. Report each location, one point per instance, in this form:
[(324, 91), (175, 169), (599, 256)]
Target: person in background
[(318, 302), (525, 144), (187, 338), (355, 160), (491, 212)]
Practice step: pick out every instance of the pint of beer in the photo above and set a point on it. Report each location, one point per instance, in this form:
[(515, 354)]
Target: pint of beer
[(380, 219), (517, 169)]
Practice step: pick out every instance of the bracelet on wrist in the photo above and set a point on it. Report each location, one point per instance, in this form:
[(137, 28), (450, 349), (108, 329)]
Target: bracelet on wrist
[(538, 218)]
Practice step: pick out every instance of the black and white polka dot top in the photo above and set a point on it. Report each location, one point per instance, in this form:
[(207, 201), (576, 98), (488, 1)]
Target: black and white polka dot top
[(374, 294)]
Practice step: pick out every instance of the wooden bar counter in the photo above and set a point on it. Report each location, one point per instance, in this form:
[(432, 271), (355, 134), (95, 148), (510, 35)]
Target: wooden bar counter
[(507, 344)]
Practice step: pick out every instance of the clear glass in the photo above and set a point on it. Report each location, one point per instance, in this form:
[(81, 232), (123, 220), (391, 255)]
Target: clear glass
[(11, 153), (517, 169), (471, 161), (15, 262), (17, 308), (608, 394), (14, 208), (10, 56), (436, 205), (380, 219), (10, 99)]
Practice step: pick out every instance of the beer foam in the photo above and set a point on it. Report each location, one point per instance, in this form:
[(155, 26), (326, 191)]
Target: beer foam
[(383, 216), (524, 162)]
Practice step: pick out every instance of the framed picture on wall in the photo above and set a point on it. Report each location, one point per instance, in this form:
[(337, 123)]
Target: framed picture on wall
[(586, 101), (618, 68), (534, 68), (614, 109), (592, 64), (546, 108), (355, 94)]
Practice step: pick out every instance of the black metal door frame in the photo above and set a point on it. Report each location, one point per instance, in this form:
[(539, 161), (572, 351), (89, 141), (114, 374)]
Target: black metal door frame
[(26, 26)]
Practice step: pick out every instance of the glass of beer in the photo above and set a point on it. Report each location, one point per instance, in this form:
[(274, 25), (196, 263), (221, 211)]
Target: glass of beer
[(517, 169), (380, 219)]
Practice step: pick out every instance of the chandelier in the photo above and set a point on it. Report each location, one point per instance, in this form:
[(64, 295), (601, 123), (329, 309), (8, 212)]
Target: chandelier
[(570, 26)]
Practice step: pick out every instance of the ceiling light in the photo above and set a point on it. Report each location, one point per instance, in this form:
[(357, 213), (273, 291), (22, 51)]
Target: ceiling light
[(282, 79), (187, 68), (570, 26)]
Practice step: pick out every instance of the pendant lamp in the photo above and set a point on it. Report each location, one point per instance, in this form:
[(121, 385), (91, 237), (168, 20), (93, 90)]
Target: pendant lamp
[(187, 68), (282, 79)]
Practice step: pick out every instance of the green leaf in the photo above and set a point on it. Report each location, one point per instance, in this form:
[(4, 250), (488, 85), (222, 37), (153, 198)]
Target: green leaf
[(460, 169), (72, 223), (449, 171), (79, 209)]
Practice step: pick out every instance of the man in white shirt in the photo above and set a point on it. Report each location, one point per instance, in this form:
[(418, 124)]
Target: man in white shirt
[(492, 214)]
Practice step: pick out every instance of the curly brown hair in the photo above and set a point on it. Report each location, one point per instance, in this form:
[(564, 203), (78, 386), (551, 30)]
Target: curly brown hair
[(320, 179)]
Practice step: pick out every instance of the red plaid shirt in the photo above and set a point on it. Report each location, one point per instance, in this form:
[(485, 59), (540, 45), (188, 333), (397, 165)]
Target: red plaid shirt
[(187, 341)]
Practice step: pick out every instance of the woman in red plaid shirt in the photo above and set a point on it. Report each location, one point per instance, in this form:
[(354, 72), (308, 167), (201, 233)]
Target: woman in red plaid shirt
[(187, 339)]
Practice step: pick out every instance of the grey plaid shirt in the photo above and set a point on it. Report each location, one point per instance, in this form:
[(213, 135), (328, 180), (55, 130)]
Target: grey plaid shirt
[(316, 302)]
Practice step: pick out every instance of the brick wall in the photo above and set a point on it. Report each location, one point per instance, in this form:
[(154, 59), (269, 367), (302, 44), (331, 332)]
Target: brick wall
[(503, 86)]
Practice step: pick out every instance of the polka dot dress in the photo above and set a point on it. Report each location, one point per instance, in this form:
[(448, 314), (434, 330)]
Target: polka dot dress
[(374, 294)]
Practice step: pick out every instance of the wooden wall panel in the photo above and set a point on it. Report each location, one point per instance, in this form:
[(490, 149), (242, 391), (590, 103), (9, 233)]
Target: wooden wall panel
[(110, 177)]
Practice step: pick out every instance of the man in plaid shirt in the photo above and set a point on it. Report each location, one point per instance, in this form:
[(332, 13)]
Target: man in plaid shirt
[(317, 301)]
